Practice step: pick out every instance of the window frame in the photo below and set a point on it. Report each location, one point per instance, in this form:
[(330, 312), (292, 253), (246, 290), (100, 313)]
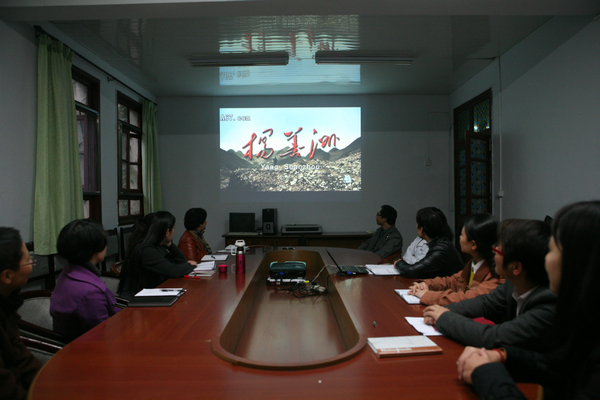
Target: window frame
[(90, 115), (125, 133)]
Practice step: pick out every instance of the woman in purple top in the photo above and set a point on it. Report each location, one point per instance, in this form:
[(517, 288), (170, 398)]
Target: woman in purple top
[(80, 300)]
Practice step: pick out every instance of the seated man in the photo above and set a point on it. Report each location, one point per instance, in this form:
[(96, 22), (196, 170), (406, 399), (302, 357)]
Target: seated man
[(18, 366), (386, 240), (522, 307)]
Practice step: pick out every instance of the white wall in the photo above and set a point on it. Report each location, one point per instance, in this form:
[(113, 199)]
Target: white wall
[(18, 114), (398, 132), (546, 120)]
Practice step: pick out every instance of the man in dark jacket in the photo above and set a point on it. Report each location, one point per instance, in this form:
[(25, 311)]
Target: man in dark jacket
[(18, 366), (387, 240), (442, 258)]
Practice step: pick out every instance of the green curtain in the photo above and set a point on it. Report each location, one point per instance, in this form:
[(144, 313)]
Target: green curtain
[(150, 172), (58, 193)]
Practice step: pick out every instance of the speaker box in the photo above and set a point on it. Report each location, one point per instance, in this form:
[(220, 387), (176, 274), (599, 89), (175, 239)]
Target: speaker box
[(269, 221)]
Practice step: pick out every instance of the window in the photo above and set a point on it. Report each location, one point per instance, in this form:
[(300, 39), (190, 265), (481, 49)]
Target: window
[(473, 158), (131, 204), (86, 90)]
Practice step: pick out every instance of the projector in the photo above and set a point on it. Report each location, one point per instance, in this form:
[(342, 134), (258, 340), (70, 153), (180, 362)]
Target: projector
[(287, 270), (298, 229)]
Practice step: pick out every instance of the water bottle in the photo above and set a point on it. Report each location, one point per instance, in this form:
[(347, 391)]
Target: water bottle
[(240, 257)]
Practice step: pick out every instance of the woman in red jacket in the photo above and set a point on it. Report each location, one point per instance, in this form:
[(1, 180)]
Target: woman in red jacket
[(192, 243)]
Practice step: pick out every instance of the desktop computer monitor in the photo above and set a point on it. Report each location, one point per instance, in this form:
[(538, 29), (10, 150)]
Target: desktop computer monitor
[(242, 222)]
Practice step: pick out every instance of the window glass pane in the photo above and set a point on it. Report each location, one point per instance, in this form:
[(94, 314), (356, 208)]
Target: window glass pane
[(133, 177), (478, 206), (461, 158), (481, 116), (134, 150), (81, 92), (86, 208), (135, 207), (123, 208), (123, 111), (478, 149), (124, 175), (462, 182), (463, 206), (478, 178), (82, 170), (463, 124), (134, 118), (124, 146), (80, 132)]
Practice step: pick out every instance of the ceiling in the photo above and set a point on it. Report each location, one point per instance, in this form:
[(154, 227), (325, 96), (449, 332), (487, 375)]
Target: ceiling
[(151, 41)]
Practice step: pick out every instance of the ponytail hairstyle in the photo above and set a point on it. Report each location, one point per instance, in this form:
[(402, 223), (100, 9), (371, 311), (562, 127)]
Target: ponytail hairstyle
[(483, 228)]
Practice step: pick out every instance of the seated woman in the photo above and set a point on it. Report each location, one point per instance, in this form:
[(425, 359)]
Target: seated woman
[(442, 259), (571, 370), (154, 259), (479, 275), (80, 300), (192, 243)]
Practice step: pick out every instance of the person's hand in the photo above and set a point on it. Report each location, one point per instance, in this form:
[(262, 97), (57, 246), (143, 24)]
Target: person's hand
[(429, 320), (418, 289), (433, 312), (193, 262), (472, 358)]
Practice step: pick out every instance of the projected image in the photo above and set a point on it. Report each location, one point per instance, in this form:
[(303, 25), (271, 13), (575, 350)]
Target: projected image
[(297, 150)]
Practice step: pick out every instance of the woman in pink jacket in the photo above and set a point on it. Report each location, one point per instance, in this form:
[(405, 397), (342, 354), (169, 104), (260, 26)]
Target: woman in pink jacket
[(477, 237)]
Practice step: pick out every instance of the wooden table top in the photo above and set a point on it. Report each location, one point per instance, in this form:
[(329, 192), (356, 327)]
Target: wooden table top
[(165, 352)]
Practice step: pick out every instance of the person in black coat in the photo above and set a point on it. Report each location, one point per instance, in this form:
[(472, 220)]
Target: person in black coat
[(571, 369), (154, 259), (442, 259)]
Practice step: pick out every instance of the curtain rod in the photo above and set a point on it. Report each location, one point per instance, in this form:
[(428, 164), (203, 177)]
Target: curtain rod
[(39, 30)]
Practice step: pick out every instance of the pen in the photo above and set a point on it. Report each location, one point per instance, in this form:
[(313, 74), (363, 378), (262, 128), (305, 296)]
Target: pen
[(191, 276)]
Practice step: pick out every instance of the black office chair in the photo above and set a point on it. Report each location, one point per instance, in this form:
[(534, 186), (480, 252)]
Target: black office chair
[(36, 321), (125, 234), (113, 249)]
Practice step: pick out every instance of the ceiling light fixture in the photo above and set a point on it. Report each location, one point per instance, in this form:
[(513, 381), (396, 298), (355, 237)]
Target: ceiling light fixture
[(239, 59), (361, 57)]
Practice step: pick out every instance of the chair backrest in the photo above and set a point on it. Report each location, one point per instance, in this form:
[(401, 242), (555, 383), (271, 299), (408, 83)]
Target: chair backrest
[(113, 249), (36, 320), (111, 281), (125, 234), (392, 258)]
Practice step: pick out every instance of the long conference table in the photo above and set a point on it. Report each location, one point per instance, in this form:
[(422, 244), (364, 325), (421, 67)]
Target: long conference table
[(168, 352)]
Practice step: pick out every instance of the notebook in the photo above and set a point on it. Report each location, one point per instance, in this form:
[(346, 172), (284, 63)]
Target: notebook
[(159, 297), (403, 346), (153, 301), (349, 269)]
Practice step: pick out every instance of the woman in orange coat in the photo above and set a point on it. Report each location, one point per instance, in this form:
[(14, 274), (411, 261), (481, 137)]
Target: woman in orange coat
[(192, 243), (478, 277)]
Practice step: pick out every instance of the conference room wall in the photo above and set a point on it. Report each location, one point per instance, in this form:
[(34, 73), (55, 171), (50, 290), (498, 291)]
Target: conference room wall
[(549, 120), (398, 132), (18, 101)]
